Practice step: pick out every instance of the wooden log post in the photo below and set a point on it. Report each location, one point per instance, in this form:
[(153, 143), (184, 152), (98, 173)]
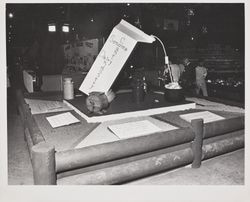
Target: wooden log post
[(43, 161), (197, 126)]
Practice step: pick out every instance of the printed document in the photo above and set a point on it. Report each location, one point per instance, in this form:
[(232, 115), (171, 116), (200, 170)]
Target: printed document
[(62, 119)]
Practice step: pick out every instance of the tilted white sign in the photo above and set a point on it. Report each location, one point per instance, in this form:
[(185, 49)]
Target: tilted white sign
[(112, 57)]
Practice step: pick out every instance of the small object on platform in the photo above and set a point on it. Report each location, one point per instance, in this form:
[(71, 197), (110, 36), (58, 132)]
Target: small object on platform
[(145, 86), (31, 81), (110, 96), (138, 92), (173, 92), (68, 89), (96, 102), (78, 95)]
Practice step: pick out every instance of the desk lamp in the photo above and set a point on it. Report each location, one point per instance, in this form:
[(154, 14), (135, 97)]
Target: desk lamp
[(165, 58), (172, 84), (173, 91)]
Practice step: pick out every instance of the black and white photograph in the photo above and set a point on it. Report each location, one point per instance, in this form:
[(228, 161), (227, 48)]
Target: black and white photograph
[(126, 94)]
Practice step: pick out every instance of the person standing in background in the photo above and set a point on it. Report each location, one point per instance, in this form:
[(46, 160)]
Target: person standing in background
[(175, 71), (201, 73), (187, 80), (182, 67)]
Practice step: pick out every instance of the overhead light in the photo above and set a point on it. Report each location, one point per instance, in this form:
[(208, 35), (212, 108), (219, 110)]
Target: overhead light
[(126, 16), (11, 15), (65, 28), (128, 4), (52, 27), (190, 12), (92, 20)]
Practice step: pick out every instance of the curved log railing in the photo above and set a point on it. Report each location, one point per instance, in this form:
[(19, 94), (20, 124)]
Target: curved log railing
[(125, 160)]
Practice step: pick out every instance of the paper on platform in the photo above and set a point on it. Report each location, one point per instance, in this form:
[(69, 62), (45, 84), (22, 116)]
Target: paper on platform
[(62, 120), (112, 57), (46, 106), (134, 129), (205, 115)]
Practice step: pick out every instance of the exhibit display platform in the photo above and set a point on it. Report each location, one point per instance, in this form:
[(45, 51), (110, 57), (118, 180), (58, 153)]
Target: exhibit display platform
[(124, 106), (84, 133), (57, 159)]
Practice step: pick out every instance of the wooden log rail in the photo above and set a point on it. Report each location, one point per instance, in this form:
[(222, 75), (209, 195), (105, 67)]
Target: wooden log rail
[(122, 173), (125, 160), (32, 133), (76, 158), (224, 126), (227, 140), (28, 120)]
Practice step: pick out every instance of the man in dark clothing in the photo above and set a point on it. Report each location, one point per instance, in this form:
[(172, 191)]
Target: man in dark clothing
[(187, 80)]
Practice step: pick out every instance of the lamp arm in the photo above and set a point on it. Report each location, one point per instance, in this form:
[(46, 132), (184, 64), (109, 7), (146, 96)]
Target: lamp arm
[(166, 57), (161, 44)]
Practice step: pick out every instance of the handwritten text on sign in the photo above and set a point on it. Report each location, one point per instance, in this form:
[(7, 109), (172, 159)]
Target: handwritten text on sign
[(113, 56), (109, 62)]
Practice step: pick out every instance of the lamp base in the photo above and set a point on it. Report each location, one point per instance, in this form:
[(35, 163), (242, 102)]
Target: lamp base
[(173, 95)]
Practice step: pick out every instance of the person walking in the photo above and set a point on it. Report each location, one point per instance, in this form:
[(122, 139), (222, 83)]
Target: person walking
[(201, 73)]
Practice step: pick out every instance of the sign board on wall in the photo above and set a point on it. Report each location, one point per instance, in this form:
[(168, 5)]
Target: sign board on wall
[(81, 55), (113, 56)]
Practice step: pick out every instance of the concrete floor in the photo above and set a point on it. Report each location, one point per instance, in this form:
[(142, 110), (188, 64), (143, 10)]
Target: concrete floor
[(227, 169)]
